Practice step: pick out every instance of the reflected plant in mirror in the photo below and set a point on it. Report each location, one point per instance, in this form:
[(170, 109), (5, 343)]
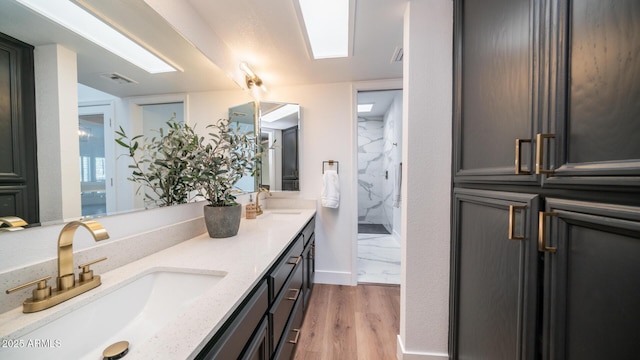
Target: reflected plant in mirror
[(161, 165), (219, 162)]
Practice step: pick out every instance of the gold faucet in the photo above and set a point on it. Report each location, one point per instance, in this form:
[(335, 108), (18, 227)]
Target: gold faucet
[(67, 284), (13, 223), (258, 207)]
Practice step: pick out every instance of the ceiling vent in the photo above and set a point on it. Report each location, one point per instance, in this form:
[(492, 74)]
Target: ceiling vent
[(398, 54), (117, 78)]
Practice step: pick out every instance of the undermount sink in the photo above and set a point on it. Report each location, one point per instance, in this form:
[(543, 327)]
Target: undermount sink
[(133, 313), (279, 214)]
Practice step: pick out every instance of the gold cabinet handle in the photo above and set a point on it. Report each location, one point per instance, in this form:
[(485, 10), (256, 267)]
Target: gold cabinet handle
[(542, 229), (295, 340), (294, 262), (295, 297), (519, 170), (540, 153), (41, 292), (512, 221)]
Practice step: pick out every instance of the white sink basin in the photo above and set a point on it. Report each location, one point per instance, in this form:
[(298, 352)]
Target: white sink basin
[(279, 215), (133, 313)]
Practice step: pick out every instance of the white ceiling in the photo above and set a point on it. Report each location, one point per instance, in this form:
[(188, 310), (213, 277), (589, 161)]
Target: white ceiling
[(264, 33)]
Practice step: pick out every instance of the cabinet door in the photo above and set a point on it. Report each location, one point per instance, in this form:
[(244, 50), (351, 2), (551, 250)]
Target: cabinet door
[(597, 95), (290, 159), (493, 308), (495, 89), (592, 295), (18, 171), (258, 349)]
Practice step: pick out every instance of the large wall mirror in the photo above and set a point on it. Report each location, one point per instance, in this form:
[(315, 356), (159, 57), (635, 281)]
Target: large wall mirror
[(280, 141), (112, 93), (245, 117)]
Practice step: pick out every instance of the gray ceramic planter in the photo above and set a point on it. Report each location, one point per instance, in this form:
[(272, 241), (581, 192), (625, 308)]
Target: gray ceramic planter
[(222, 221)]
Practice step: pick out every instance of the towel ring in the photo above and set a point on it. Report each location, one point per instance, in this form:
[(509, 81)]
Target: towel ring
[(331, 163)]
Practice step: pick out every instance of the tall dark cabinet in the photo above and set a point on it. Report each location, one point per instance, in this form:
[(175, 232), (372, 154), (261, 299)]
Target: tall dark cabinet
[(18, 169), (546, 168)]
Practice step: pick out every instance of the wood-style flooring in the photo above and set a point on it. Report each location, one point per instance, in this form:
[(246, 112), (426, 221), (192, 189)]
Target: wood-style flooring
[(350, 322)]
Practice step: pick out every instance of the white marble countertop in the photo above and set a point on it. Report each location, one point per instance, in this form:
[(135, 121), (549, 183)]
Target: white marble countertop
[(245, 258)]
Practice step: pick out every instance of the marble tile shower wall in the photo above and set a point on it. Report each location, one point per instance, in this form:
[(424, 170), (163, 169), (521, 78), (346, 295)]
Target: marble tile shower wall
[(374, 191)]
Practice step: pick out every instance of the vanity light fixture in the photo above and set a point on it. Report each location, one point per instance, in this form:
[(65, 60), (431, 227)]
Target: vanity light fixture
[(251, 78), (327, 25), (76, 19)]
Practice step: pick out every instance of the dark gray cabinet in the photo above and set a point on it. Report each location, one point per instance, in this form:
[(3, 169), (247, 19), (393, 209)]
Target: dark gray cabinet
[(267, 323), (592, 290), (18, 165), (494, 275), (547, 152), (242, 329), (594, 87), (546, 93), (495, 81)]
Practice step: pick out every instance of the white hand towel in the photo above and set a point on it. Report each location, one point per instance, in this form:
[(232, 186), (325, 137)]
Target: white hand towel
[(330, 189), (397, 195)]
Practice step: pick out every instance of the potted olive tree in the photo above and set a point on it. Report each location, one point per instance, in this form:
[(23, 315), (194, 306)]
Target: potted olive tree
[(219, 162)]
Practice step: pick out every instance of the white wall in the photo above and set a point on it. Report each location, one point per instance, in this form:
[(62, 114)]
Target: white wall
[(58, 147), (426, 152)]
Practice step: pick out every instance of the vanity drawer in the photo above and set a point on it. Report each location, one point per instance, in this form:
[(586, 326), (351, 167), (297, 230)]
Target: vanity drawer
[(282, 307), (281, 273), (292, 334), (309, 230)]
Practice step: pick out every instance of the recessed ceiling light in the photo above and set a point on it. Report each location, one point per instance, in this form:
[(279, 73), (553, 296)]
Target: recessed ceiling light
[(76, 19), (362, 108), (327, 26)]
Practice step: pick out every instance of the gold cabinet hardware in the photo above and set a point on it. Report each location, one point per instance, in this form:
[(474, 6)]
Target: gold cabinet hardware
[(295, 340), (540, 153), (512, 221), (87, 274), (519, 170), (542, 229), (42, 291), (295, 297), (294, 262)]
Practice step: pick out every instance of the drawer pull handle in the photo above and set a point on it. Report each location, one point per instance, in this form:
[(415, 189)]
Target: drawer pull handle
[(294, 262), (512, 222), (295, 297), (542, 229), (519, 170), (295, 340)]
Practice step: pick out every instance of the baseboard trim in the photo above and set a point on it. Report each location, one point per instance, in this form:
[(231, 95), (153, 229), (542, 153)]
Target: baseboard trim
[(403, 354), (333, 277)]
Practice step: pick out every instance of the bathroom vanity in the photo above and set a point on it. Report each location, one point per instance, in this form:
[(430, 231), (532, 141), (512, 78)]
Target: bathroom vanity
[(238, 297)]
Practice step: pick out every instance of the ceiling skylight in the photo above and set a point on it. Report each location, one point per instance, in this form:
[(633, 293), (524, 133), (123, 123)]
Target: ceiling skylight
[(327, 25), (76, 19), (279, 113)]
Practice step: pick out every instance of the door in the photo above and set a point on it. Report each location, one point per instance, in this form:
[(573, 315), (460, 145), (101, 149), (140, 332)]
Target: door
[(597, 92), (495, 90), (97, 159), (494, 274), (18, 165), (592, 273)]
